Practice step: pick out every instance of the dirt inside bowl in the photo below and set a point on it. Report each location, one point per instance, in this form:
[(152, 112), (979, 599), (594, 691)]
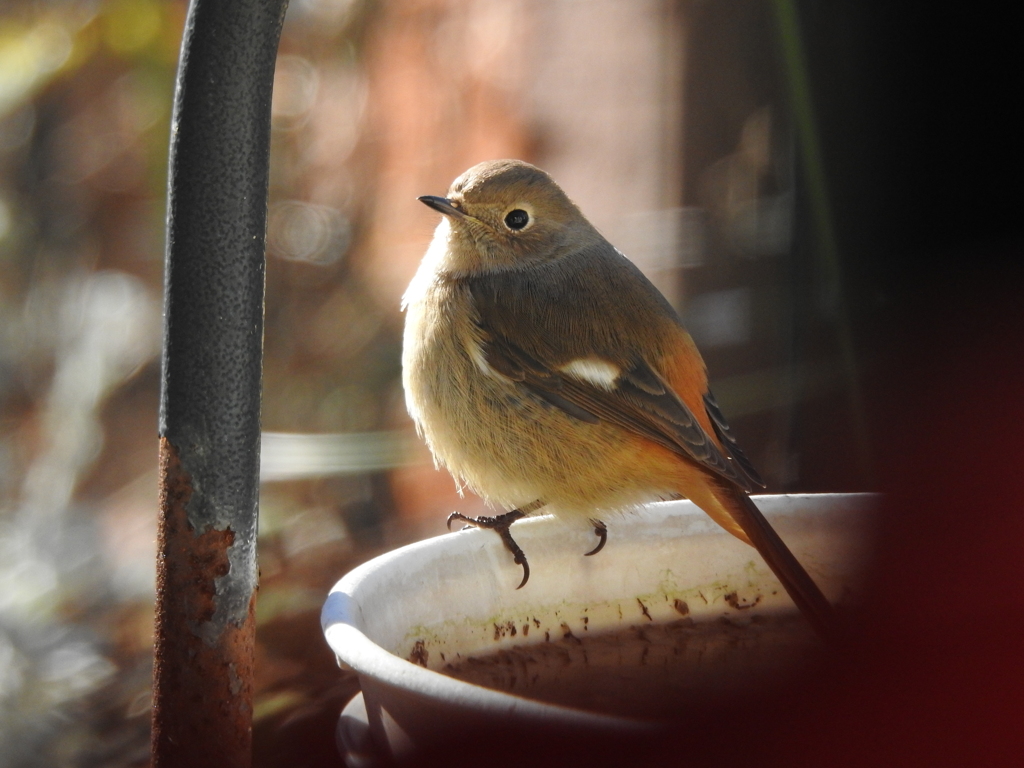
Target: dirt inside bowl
[(654, 671)]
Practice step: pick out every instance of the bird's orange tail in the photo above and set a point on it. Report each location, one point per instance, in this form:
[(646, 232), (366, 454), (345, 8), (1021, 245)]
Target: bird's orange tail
[(797, 582)]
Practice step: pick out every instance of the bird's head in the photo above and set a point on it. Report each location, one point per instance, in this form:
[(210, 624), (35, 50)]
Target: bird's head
[(507, 214)]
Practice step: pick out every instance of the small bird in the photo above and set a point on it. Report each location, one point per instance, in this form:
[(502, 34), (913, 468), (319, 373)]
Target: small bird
[(545, 371)]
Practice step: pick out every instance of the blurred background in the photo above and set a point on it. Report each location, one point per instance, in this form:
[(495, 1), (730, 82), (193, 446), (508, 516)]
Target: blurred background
[(734, 150)]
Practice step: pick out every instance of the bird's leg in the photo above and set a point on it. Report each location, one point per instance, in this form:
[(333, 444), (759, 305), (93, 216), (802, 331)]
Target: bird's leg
[(602, 531), (500, 524)]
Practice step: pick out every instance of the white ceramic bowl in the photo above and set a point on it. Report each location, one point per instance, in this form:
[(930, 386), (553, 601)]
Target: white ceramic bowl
[(439, 601)]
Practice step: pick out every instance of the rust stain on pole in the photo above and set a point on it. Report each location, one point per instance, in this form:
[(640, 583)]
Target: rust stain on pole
[(203, 706)]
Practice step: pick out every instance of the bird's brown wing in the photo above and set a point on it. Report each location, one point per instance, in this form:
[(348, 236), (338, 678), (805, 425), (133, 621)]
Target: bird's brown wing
[(640, 402)]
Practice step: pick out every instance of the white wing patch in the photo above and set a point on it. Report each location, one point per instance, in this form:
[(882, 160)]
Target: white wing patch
[(476, 354), (592, 370)]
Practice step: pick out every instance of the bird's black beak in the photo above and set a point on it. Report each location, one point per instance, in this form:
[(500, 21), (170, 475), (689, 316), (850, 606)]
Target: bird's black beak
[(441, 205)]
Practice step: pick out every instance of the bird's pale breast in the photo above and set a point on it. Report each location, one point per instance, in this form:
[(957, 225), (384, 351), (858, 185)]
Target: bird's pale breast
[(502, 441)]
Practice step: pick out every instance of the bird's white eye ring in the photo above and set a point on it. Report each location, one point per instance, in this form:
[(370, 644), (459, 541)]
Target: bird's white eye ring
[(517, 219)]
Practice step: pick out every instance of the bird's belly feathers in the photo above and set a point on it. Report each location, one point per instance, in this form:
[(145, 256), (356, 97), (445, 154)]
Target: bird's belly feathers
[(505, 443)]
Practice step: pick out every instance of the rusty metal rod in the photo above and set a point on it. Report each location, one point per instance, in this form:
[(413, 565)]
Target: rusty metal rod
[(212, 375)]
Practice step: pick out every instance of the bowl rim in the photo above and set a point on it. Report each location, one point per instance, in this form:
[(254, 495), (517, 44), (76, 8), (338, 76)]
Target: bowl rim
[(342, 622)]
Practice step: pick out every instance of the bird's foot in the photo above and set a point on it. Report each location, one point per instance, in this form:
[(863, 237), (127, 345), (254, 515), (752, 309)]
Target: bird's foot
[(500, 524), (602, 532)]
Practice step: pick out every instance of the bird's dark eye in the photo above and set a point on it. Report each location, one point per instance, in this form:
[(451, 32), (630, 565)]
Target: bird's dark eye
[(517, 219)]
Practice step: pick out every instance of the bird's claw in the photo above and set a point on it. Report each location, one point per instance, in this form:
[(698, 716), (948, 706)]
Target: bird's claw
[(602, 531), (500, 524)]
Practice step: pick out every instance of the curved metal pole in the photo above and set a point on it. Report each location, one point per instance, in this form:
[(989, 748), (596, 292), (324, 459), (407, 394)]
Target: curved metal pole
[(212, 373)]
